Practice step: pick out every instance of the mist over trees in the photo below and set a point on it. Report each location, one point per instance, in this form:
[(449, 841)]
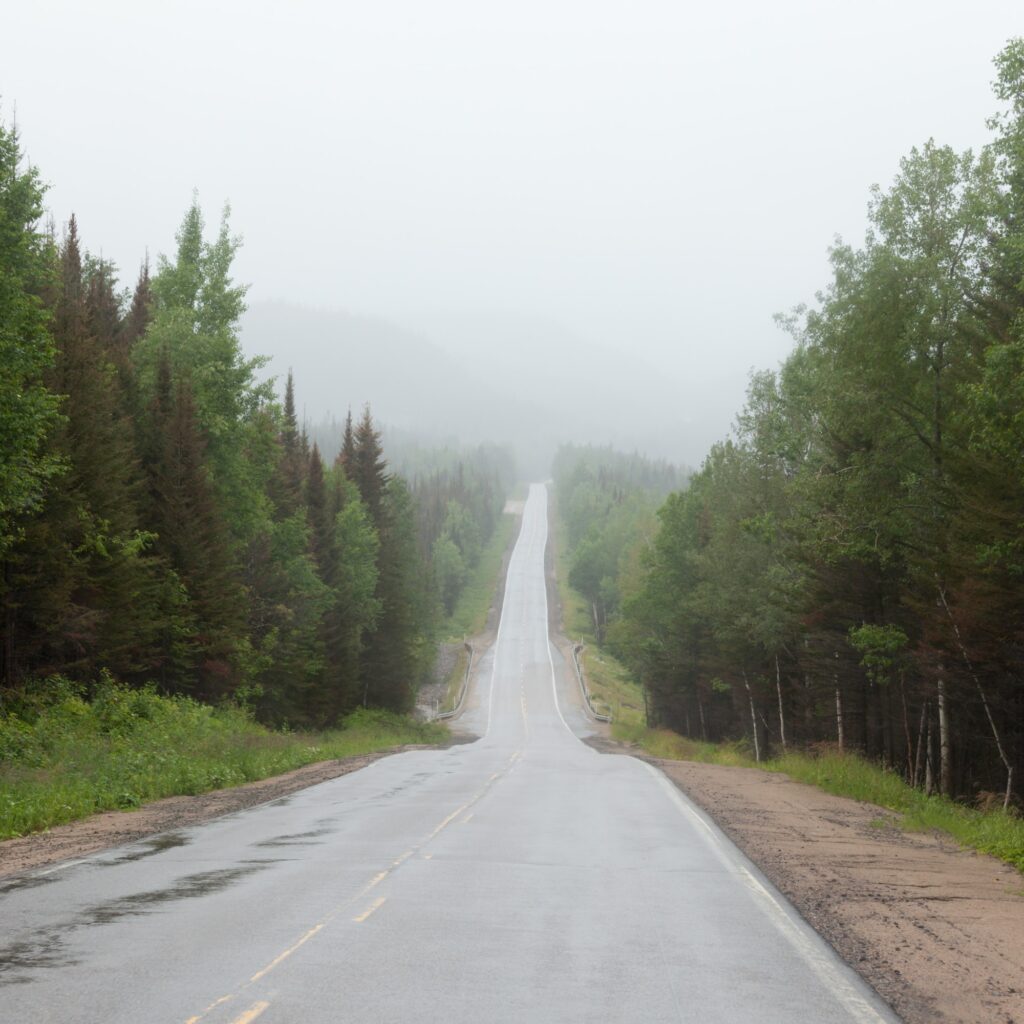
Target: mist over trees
[(166, 519), (850, 567)]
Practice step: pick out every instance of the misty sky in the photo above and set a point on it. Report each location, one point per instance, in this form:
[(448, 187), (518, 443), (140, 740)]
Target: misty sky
[(657, 177)]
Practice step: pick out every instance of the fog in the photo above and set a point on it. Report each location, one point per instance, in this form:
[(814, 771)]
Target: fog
[(564, 219)]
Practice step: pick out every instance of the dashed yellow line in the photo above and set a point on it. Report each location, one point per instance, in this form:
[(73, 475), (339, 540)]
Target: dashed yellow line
[(256, 1009), (213, 1006), (371, 909), (451, 817), (252, 1013), (287, 953)]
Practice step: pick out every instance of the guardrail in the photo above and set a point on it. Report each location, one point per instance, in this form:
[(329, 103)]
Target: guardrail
[(465, 686), (577, 650)]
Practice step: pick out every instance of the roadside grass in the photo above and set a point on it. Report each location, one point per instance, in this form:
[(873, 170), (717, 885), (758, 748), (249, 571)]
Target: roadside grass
[(470, 615), (64, 758), (611, 688), (848, 775)]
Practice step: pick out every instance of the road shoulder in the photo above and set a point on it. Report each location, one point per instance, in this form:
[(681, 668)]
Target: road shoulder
[(936, 930)]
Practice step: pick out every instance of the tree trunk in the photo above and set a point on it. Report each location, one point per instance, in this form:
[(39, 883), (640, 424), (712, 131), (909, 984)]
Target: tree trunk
[(703, 723), (929, 771), (919, 755), (906, 733), (839, 707), (782, 714), (984, 701), (7, 669), (945, 761), (753, 719)]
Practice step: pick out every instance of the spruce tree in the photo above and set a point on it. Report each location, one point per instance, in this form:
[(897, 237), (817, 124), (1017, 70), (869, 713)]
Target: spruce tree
[(193, 539)]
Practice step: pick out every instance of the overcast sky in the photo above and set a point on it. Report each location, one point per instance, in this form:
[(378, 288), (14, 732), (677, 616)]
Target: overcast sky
[(658, 177)]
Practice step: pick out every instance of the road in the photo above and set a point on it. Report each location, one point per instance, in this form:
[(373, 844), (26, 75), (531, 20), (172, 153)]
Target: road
[(522, 877)]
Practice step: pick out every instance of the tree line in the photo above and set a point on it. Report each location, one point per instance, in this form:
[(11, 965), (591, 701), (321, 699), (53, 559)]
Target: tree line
[(165, 518), (849, 567), (607, 502)]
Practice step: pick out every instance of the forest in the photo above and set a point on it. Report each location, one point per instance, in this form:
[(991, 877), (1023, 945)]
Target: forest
[(166, 520), (848, 568)]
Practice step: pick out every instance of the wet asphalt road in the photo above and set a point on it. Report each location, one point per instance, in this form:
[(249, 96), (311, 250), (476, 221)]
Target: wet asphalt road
[(523, 877)]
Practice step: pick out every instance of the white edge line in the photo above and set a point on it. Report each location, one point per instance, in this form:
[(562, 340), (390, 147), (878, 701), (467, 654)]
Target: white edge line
[(501, 620), (547, 620), (861, 1002)]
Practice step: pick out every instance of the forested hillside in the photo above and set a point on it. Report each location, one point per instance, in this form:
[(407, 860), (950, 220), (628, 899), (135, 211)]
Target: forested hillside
[(849, 567), (607, 502), (164, 516)]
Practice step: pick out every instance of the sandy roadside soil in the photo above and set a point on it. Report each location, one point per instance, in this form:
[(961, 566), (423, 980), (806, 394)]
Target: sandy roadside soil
[(937, 930)]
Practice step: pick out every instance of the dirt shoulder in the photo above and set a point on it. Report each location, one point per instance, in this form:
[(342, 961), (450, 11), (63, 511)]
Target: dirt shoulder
[(113, 828), (937, 930)]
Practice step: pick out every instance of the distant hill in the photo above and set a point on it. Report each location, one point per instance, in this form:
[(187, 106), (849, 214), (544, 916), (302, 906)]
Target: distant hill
[(476, 378)]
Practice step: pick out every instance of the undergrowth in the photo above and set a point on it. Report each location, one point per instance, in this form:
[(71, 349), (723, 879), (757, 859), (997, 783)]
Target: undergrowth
[(846, 774), (64, 757)]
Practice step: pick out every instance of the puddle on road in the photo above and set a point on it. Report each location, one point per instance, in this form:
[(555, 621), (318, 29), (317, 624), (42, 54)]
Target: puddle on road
[(203, 884), (151, 847), (296, 838), (47, 947), (19, 882), (18, 959)]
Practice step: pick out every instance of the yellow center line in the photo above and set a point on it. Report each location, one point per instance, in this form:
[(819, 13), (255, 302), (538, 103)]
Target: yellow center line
[(373, 907), (287, 953), (213, 1006), (252, 1013), (451, 817)]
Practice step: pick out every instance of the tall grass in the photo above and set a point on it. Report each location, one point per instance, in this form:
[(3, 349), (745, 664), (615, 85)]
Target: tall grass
[(64, 757), (848, 775)]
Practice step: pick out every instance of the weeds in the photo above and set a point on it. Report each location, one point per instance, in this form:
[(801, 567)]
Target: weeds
[(63, 757)]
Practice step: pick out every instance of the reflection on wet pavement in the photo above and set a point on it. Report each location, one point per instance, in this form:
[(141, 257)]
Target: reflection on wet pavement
[(46, 947)]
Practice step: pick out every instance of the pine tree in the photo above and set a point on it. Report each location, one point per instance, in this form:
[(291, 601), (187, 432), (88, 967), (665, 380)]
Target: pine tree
[(86, 585), (366, 466), (27, 409), (347, 456), (193, 539)]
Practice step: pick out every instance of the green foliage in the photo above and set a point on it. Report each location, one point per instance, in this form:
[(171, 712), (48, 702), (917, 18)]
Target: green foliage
[(27, 409), (63, 757), (469, 616), (196, 308), (880, 649), (849, 567)]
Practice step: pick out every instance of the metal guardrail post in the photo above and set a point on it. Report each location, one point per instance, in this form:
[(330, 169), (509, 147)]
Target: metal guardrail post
[(577, 650), (465, 686)]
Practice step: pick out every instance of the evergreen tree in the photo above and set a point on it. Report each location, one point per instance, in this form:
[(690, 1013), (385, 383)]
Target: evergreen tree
[(27, 409), (192, 538)]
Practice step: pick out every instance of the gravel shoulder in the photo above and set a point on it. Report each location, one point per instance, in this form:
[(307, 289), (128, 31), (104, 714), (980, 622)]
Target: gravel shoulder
[(937, 930)]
